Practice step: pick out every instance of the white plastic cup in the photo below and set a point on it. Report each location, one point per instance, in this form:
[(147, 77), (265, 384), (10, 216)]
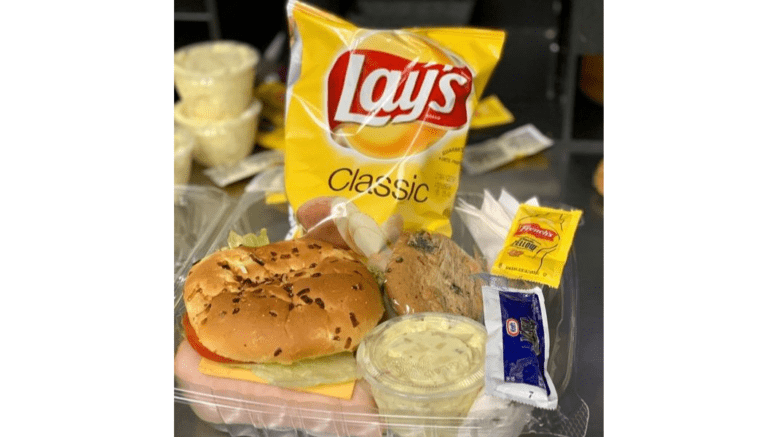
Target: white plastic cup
[(215, 79), (222, 142), (184, 149)]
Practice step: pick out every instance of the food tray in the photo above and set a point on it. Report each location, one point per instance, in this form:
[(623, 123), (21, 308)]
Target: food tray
[(199, 210), (229, 410)]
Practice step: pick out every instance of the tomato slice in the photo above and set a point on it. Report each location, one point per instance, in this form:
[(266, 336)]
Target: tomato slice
[(204, 352)]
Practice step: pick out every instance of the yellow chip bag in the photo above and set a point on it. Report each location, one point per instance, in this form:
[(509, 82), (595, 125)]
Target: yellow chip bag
[(380, 117), (538, 244)]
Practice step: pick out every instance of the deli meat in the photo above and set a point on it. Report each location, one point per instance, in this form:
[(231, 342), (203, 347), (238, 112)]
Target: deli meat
[(430, 272)]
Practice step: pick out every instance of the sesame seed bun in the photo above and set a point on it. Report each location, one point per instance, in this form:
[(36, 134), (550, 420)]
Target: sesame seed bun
[(282, 302)]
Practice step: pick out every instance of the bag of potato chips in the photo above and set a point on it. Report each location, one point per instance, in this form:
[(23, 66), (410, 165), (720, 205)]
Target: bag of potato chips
[(380, 117)]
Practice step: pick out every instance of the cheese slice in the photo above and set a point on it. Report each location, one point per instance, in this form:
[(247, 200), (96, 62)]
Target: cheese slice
[(342, 390)]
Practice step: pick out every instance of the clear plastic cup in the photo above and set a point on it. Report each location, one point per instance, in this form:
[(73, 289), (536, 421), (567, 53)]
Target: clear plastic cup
[(215, 79), (222, 142), (425, 371), (184, 149)]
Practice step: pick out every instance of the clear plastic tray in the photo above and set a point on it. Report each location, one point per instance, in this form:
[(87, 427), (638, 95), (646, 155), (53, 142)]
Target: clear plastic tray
[(233, 411), (199, 210)]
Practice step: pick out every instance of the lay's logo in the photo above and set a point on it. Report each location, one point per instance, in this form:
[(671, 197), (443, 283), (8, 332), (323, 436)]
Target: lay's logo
[(374, 88), (387, 106)]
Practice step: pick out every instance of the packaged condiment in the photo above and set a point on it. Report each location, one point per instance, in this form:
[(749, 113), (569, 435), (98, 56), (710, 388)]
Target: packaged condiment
[(221, 142), (380, 117), (215, 79), (517, 350), (518, 143), (538, 244), (491, 112), (224, 175)]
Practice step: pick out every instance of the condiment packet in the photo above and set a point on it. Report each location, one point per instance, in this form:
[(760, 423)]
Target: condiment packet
[(516, 349), (490, 223), (267, 180), (226, 174), (537, 245), (491, 112), (271, 139), (502, 417), (272, 94), (523, 141)]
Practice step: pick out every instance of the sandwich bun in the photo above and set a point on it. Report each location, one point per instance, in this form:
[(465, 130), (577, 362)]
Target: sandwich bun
[(282, 302)]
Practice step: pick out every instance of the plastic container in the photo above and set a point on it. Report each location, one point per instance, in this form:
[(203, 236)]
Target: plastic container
[(423, 368), (215, 79), (184, 149), (239, 412), (199, 211), (222, 142)]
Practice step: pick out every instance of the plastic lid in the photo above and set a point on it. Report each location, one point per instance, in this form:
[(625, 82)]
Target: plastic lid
[(216, 58)]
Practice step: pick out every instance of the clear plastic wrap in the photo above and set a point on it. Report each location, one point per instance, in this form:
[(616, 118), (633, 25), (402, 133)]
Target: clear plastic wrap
[(239, 413), (198, 212)]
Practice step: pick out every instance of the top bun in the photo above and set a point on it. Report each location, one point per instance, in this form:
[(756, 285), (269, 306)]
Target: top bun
[(282, 302)]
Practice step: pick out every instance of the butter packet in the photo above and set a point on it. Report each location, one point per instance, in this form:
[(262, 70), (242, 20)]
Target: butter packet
[(274, 138), (272, 94), (517, 352), (538, 244), (491, 112), (224, 175), (518, 143)]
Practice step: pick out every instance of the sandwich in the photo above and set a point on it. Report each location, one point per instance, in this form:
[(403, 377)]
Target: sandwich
[(281, 303), (278, 321)]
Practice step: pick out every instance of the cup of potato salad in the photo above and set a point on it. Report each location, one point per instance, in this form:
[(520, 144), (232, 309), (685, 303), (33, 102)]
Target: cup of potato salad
[(425, 371)]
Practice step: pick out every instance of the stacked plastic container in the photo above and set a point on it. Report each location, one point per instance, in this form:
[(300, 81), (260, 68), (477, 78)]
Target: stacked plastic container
[(215, 82)]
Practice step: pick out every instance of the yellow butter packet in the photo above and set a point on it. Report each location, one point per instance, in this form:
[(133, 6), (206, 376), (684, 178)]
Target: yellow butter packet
[(272, 95), (273, 98), (537, 246), (274, 139), (491, 112)]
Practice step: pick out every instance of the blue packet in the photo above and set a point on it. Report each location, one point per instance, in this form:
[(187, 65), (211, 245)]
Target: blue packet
[(516, 348)]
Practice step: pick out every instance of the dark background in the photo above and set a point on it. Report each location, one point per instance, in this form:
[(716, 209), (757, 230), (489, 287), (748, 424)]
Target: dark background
[(537, 77)]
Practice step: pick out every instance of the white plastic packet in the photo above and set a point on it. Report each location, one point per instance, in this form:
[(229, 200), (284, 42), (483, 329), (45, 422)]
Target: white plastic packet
[(268, 180), (503, 417), (226, 174), (516, 348), (520, 142)]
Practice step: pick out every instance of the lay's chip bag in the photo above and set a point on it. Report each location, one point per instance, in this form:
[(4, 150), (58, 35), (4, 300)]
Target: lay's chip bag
[(380, 117)]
